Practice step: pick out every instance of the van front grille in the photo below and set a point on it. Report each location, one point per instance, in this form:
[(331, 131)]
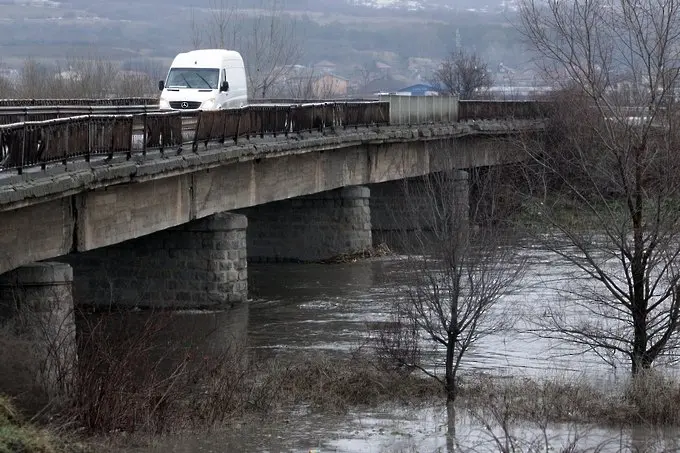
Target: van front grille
[(185, 105)]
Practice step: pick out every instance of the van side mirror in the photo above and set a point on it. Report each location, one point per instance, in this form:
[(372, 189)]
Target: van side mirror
[(161, 85), (224, 86)]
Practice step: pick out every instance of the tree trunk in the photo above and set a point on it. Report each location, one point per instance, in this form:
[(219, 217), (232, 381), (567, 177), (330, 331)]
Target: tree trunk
[(450, 427), (641, 360), (450, 370)]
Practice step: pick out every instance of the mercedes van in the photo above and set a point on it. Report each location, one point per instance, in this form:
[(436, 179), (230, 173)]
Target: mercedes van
[(209, 79)]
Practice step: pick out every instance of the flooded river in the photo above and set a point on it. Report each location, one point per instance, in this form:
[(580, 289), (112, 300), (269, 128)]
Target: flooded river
[(297, 308)]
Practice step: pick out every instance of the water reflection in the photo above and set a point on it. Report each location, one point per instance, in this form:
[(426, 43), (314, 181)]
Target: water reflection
[(328, 307), (167, 336), (301, 307)]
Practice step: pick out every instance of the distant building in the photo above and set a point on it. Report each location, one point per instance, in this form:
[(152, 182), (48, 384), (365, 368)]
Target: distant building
[(329, 85), (325, 66), (305, 83), (384, 85), (419, 89)]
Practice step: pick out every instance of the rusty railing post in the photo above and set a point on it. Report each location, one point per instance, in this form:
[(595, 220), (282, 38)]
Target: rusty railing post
[(238, 126), (262, 120), (128, 130), (88, 128), (194, 144), (23, 149)]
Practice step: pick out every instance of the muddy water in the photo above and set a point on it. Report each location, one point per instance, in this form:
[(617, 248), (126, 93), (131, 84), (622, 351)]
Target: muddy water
[(298, 308)]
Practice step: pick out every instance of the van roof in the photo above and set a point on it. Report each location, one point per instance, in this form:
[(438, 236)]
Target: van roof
[(205, 58)]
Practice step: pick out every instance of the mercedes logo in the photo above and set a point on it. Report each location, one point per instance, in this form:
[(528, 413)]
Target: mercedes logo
[(185, 105)]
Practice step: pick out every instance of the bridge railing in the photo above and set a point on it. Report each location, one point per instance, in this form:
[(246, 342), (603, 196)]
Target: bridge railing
[(78, 102), (42, 142), (490, 109), (17, 114), (261, 120)]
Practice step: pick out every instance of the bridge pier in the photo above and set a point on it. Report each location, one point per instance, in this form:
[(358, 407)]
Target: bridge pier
[(201, 264), (399, 208), (36, 307), (310, 228)]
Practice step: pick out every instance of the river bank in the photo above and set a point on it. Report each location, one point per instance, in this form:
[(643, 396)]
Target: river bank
[(355, 404), (291, 370)]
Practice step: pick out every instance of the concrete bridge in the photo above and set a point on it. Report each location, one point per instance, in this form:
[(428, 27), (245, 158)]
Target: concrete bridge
[(137, 207), (171, 219)]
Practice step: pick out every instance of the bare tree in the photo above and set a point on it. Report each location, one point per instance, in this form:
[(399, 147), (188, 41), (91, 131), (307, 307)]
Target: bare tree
[(459, 273), (266, 37), (366, 74), (35, 79), (308, 84), (611, 160), (7, 88), (463, 74)]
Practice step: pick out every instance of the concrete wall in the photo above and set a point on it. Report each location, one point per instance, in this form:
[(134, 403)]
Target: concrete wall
[(36, 233), (422, 109), (310, 228), (200, 264)]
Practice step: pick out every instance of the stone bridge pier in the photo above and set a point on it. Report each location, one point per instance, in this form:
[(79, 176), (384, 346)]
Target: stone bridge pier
[(310, 228), (37, 315), (201, 264)]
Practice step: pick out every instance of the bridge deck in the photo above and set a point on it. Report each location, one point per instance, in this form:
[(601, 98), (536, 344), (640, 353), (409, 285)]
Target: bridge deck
[(58, 180)]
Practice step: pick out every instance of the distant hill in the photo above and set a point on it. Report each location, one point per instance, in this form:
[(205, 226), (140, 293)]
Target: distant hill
[(349, 33)]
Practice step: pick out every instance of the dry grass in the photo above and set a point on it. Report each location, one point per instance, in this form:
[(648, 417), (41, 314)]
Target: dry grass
[(650, 399), (337, 385), (17, 436)]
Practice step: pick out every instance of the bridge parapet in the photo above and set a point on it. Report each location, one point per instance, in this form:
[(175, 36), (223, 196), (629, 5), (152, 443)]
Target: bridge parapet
[(422, 109), (19, 114), (489, 109), (42, 142)]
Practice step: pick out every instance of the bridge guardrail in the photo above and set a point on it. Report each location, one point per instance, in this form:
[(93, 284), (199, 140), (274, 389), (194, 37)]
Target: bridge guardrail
[(16, 114), (490, 109), (42, 142), (78, 102), (30, 143), (285, 119)]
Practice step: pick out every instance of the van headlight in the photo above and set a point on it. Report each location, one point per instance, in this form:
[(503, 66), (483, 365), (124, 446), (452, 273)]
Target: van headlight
[(163, 105), (208, 105)]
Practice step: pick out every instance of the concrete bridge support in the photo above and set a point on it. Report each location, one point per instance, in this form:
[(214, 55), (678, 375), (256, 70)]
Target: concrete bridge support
[(36, 311), (310, 228), (200, 264), (398, 208)]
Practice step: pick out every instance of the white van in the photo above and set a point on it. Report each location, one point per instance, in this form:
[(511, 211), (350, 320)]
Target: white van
[(210, 79)]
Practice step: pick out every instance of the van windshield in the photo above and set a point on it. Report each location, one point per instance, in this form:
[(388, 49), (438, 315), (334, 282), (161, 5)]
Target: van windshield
[(193, 78)]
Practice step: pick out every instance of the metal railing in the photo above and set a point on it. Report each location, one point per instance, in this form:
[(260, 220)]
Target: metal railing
[(488, 109), (32, 143), (17, 114), (35, 143), (78, 101)]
